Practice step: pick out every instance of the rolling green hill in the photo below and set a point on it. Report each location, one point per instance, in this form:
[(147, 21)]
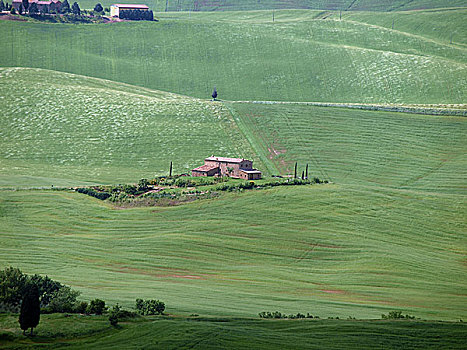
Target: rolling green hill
[(389, 234), (77, 332), (300, 57), (242, 5), (62, 129)]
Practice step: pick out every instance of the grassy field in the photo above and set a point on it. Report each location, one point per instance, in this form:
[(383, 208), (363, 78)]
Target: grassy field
[(79, 332), (331, 250), (299, 57), (241, 5), (397, 150), (61, 129)]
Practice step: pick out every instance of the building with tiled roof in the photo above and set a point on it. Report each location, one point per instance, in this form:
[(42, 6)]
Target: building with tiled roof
[(239, 168)]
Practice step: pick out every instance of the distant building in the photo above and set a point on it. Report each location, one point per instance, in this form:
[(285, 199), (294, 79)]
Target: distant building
[(234, 167), (116, 8), (42, 6)]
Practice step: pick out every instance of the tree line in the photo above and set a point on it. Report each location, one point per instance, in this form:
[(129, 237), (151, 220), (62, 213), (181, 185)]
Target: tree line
[(33, 295)]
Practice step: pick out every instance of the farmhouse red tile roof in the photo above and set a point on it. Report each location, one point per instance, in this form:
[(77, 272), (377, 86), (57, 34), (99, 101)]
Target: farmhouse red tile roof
[(131, 6), (225, 160), (205, 168)]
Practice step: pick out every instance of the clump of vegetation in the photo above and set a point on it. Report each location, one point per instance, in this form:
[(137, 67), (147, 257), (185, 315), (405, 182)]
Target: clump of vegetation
[(279, 315), (397, 315), (149, 307)]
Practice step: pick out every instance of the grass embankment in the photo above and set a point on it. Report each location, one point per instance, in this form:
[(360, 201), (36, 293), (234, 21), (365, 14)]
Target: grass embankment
[(300, 57), (66, 130), (78, 332)]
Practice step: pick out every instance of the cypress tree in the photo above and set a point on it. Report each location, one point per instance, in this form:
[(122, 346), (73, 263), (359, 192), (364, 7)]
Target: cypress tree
[(295, 171), (75, 9), (2, 5), (25, 4), (170, 170), (30, 309), (306, 171), (303, 175), (20, 9), (214, 93), (65, 7)]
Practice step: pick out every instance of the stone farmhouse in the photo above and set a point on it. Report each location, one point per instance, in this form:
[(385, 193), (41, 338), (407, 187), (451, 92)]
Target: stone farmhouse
[(234, 167), (42, 6), (116, 8)]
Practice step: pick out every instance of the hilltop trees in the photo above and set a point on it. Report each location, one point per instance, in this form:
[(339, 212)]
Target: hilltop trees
[(30, 309), (25, 4), (33, 9), (98, 7), (65, 7), (75, 9)]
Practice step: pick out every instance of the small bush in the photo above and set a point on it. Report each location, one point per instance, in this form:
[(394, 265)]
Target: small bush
[(96, 306), (150, 307)]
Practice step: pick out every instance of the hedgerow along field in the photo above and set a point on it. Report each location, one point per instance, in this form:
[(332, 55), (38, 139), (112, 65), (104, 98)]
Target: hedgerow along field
[(302, 56), (61, 129)]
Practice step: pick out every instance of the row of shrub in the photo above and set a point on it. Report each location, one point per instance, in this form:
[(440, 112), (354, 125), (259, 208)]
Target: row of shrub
[(397, 315), (279, 315), (93, 193), (136, 15)]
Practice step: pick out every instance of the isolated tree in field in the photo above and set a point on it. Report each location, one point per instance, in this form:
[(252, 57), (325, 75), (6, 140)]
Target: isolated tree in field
[(65, 7), (295, 171), (98, 7), (33, 9), (30, 309), (214, 93), (306, 172), (25, 4), (75, 9), (170, 170)]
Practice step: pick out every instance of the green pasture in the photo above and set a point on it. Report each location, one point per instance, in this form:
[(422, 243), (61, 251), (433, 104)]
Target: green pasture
[(60, 129), (331, 250), (242, 5), (302, 56), (397, 150), (84, 332)]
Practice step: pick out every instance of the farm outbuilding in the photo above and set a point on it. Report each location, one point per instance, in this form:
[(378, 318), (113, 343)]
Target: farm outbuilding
[(239, 168), (116, 8)]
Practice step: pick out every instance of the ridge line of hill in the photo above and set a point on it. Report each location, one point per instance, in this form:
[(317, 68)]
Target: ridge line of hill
[(421, 37), (448, 110)]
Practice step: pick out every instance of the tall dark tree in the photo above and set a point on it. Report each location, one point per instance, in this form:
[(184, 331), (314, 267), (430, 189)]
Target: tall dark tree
[(170, 170), (306, 172), (303, 175), (30, 309), (98, 7), (214, 93), (20, 9), (25, 4), (295, 171), (33, 9), (65, 7), (75, 9), (2, 5)]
